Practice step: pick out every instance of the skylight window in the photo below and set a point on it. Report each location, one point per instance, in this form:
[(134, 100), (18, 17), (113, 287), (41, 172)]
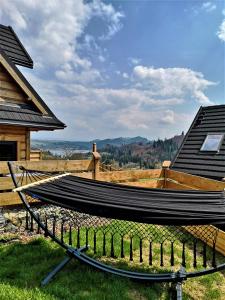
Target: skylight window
[(212, 142)]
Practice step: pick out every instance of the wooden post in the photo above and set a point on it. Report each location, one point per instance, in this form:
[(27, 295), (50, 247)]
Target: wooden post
[(165, 166), (27, 145), (96, 161)]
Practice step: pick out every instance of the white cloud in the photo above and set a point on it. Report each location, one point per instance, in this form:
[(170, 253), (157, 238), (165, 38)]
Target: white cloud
[(173, 82), (208, 6), (134, 60), (101, 58), (108, 12), (125, 75), (51, 30), (169, 117), (221, 31)]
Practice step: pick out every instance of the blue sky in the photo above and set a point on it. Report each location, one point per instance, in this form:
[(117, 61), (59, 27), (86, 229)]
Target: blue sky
[(122, 68)]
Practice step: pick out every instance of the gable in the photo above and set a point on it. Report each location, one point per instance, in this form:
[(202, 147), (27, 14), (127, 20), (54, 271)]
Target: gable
[(19, 102), (24, 85), (191, 157), (10, 91)]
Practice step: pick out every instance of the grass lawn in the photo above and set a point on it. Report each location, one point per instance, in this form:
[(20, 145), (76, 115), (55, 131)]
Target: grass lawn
[(24, 264)]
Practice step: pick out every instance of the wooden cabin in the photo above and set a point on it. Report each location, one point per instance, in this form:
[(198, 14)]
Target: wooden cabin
[(202, 151), (21, 109)]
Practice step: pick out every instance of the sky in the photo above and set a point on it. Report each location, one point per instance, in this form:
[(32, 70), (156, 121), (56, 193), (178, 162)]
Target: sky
[(122, 68)]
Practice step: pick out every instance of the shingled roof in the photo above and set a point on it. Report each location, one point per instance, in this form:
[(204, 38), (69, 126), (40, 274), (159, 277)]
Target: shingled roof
[(11, 45), (27, 115), (191, 158)]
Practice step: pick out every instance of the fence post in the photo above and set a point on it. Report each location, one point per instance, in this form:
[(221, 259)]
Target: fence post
[(165, 166), (96, 161)]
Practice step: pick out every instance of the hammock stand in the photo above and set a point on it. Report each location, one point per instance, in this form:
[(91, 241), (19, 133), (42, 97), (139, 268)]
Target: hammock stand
[(175, 278)]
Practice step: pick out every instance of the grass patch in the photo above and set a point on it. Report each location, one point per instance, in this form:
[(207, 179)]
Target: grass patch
[(24, 265)]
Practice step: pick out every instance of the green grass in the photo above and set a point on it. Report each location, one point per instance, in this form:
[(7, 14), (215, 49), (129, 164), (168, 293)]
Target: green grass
[(24, 265)]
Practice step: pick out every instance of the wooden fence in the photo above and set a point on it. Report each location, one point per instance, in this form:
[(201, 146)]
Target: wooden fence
[(83, 168), (155, 178)]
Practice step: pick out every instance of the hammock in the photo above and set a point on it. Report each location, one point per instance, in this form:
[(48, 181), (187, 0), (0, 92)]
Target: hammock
[(107, 218), (152, 206)]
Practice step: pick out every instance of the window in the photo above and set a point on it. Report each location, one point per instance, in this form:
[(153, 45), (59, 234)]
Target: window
[(8, 151), (212, 142)]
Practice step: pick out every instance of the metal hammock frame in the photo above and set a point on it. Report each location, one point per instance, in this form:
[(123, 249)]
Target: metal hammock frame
[(174, 277)]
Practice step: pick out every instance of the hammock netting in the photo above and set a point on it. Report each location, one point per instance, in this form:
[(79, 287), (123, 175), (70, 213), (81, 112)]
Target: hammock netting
[(157, 227)]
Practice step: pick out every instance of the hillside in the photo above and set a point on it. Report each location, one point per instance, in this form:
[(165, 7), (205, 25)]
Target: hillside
[(142, 155)]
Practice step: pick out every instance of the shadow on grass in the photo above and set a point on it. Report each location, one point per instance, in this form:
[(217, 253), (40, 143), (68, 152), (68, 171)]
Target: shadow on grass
[(23, 266)]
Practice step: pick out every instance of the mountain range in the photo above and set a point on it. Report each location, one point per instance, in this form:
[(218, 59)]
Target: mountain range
[(86, 145)]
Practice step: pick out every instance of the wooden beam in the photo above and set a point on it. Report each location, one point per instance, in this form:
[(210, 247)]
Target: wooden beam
[(51, 165), (166, 164), (6, 183), (154, 183), (28, 144), (196, 182), (177, 186), (10, 198), (130, 175), (96, 161)]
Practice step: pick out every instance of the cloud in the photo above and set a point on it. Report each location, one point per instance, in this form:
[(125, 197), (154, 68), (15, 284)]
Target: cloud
[(208, 6), (125, 75), (169, 117), (65, 52), (108, 13), (221, 31), (134, 60), (173, 82), (51, 30)]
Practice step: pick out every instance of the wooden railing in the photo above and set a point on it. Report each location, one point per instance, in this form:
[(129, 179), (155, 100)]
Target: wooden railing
[(83, 168)]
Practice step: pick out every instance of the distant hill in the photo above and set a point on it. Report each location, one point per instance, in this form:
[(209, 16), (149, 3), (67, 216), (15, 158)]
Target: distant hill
[(142, 155), (86, 145)]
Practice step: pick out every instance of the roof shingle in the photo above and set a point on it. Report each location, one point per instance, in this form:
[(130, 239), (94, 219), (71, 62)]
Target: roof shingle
[(189, 158), (13, 48)]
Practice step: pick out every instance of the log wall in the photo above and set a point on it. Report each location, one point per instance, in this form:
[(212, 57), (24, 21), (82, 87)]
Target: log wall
[(9, 90), (19, 135)]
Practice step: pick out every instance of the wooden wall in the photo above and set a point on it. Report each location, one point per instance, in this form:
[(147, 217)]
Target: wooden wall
[(9, 90), (35, 155), (21, 135)]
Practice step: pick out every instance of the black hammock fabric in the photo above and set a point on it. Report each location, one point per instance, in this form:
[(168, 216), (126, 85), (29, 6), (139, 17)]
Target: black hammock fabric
[(153, 206)]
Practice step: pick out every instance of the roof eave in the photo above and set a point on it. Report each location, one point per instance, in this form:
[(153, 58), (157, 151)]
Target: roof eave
[(32, 125)]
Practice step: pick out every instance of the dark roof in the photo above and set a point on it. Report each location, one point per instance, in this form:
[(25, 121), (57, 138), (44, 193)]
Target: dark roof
[(26, 115), (189, 158), (13, 48)]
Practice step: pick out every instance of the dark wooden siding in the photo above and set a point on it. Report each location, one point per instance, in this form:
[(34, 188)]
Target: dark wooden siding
[(190, 159)]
